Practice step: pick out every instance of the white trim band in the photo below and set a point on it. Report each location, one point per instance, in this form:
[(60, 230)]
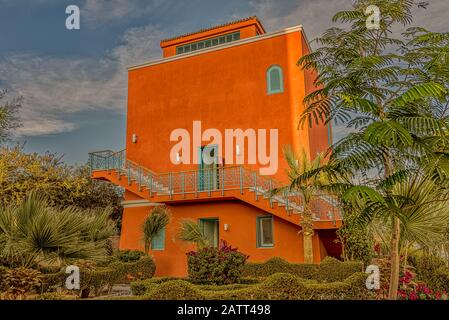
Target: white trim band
[(219, 47), (139, 203)]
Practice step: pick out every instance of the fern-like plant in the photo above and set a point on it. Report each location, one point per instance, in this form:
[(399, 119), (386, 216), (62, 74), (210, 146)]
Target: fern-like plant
[(36, 234), (392, 92), (157, 220), (190, 231)]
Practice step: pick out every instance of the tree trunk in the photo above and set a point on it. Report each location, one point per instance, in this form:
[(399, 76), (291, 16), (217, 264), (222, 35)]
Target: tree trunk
[(307, 232), (404, 269), (308, 246), (394, 256)]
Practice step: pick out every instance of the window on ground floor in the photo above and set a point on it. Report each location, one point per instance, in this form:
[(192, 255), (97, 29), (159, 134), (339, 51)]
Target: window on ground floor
[(265, 231), (158, 242), (210, 229)]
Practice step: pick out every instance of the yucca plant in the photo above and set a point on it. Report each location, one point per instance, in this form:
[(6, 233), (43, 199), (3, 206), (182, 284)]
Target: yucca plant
[(157, 220), (393, 92), (33, 233), (190, 231)]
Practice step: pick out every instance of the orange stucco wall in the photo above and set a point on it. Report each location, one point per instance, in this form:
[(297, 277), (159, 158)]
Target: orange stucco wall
[(241, 219), (225, 89), (320, 135)]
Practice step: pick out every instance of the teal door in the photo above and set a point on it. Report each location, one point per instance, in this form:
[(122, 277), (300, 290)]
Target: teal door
[(208, 168)]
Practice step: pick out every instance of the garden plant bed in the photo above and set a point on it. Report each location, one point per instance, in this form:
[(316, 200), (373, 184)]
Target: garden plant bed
[(275, 279)]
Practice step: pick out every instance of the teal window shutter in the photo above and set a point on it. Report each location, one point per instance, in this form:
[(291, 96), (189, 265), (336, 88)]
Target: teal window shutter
[(158, 242), (275, 80)]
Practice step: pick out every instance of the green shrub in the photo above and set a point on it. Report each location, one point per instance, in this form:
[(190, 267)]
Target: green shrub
[(277, 265), (100, 278), (330, 260), (249, 280), (279, 286), (55, 296), (138, 270), (432, 270), (234, 286), (222, 265), (52, 281), (2, 274), (142, 287), (352, 288), (129, 255), (285, 286), (329, 270), (440, 280), (19, 282), (118, 272), (175, 290)]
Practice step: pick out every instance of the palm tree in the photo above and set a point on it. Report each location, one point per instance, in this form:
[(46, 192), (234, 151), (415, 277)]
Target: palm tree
[(154, 224), (418, 201), (392, 92), (190, 231), (34, 233), (308, 178)]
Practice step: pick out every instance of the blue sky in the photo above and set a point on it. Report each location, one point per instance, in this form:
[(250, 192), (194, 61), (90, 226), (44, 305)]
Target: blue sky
[(74, 82)]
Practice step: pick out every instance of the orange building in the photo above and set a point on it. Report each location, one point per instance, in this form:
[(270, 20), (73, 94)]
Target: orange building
[(229, 77)]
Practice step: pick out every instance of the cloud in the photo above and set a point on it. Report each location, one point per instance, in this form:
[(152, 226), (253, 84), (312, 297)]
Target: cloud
[(101, 12), (434, 17), (44, 126), (316, 15), (54, 88)]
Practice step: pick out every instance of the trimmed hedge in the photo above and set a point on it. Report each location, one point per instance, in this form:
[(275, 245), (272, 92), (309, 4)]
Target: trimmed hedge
[(129, 255), (175, 290), (279, 286), (131, 271), (54, 296), (2, 274), (104, 277), (329, 270), (139, 288), (143, 287)]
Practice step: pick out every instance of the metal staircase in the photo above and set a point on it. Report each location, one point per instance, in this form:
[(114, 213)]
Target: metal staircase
[(220, 180)]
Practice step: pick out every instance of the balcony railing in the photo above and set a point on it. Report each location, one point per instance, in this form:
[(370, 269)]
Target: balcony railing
[(219, 179)]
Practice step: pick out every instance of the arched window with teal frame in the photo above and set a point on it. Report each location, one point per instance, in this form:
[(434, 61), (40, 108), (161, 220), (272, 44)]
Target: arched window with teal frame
[(275, 80)]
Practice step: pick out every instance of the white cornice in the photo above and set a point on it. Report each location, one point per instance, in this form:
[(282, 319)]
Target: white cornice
[(138, 203), (219, 47)]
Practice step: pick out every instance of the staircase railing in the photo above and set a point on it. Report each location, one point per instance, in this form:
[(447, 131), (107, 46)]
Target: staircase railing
[(218, 179)]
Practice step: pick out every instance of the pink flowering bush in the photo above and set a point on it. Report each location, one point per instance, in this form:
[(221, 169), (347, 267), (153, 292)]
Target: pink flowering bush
[(411, 290), (222, 265)]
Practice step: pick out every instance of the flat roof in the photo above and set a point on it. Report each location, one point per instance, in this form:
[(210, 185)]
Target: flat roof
[(219, 47), (254, 20)]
